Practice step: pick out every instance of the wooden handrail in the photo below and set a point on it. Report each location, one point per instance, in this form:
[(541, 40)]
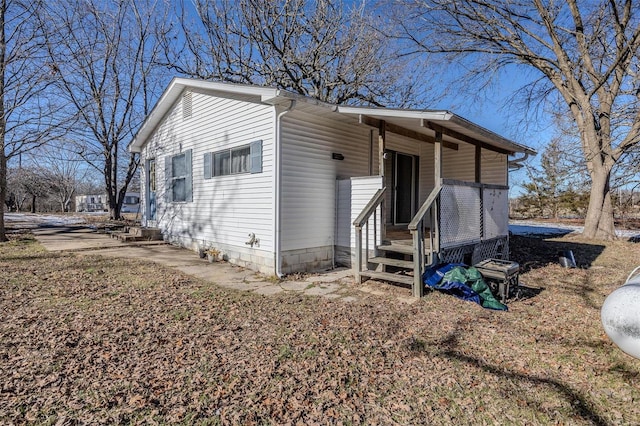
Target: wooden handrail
[(370, 208), (413, 225), (417, 232)]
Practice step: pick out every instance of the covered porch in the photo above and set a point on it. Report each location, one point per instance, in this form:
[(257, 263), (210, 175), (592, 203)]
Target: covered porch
[(449, 204)]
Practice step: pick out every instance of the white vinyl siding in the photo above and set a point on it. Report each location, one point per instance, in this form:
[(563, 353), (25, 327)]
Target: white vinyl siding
[(309, 175), (353, 195), (494, 167), (225, 209), (460, 164), (362, 190)]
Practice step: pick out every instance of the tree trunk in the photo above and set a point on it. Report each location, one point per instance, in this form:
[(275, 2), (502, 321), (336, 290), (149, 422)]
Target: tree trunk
[(599, 222), (3, 123), (3, 191), (33, 203)]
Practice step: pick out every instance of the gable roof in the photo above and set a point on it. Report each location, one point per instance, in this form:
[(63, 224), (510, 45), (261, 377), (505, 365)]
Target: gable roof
[(421, 123)]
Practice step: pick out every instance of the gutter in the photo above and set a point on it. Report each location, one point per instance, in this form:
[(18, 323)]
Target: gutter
[(277, 251)]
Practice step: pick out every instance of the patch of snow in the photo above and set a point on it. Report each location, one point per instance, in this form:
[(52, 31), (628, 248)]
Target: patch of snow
[(43, 219), (529, 228)]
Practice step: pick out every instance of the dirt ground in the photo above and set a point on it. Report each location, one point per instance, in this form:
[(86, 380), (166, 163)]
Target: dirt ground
[(98, 340)]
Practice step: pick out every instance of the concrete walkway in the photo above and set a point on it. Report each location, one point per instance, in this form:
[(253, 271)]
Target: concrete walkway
[(336, 284)]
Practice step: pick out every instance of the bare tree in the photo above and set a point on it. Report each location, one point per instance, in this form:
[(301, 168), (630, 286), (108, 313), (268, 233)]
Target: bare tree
[(104, 56), (26, 110), (16, 195), (29, 183), (318, 48), (62, 168), (585, 54)]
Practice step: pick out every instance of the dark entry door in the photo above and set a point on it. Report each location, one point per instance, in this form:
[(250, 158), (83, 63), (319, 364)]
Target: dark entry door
[(404, 202)]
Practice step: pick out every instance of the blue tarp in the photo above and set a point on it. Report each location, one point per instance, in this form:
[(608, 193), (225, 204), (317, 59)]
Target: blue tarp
[(459, 280)]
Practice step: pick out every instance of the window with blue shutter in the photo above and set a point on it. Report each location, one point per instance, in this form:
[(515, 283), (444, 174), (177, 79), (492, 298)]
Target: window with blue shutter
[(237, 160), (256, 157), (208, 156), (178, 176), (168, 180)]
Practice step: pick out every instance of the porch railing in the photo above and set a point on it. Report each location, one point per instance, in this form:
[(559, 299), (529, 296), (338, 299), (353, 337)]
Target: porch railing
[(463, 219), (459, 214), (426, 215), (474, 212), (363, 220)]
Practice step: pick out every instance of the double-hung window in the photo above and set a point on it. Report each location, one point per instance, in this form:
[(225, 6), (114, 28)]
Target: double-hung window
[(178, 177), (222, 163)]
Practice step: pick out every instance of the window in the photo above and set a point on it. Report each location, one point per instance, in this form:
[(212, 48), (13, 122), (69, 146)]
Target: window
[(131, 199), (178, 177), (242, 159), (221, 166)]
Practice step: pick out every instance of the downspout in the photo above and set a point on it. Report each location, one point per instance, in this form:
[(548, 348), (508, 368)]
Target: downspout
[(277, 254), (516, 163)]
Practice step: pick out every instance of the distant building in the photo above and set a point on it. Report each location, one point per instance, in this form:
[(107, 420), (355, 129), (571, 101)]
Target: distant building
[(91, 203), (99, 203), (131, 203)]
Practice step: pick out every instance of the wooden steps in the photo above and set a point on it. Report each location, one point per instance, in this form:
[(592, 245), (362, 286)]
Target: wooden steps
[(398, 263), (392, 255), (397, 248), (388, 276)]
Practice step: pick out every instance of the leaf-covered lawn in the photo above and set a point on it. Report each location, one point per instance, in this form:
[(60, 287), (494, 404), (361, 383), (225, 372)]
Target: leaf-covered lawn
[(98, 340)]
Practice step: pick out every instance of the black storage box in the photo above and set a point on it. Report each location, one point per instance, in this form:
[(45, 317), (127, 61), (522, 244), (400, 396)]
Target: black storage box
[(500, 275)]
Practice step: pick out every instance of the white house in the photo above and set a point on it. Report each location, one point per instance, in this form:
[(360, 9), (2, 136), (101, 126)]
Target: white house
[(91, 203), (100, 203), (283, 183)]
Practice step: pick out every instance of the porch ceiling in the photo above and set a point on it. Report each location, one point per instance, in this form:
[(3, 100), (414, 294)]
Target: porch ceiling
[(455, 129)]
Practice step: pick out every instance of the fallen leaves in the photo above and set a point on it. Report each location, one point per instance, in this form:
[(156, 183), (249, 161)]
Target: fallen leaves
[(106, 341)]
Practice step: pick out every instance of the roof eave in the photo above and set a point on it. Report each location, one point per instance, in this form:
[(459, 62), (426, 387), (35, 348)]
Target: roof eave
[(505, 143), (176, 87), (442, 117)]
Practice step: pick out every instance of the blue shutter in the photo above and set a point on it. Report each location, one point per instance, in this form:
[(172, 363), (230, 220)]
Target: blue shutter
[(168, 182), (188, 183), (207, 165), (256, 157)]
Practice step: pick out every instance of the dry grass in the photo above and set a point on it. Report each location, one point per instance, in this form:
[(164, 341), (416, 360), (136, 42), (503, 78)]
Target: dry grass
[(96, 340)]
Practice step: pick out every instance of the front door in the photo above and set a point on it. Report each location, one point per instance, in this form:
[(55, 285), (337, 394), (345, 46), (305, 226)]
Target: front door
[(151, 189), (404, 189)]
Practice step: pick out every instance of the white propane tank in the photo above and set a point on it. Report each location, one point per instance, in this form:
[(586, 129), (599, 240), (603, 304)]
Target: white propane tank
[(620, 315)]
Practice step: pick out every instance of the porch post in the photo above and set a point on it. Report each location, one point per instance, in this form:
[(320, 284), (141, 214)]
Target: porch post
[(382, 142), (382, 136), (478, 163), (437, 175), (437, 157)]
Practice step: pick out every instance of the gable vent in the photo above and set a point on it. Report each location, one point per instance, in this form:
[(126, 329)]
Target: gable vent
[(186, 105)]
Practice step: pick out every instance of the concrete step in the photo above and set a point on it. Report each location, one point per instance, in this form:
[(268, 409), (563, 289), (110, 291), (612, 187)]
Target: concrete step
[(136, 233), (386, 276), (130, 237), (145, 233)]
